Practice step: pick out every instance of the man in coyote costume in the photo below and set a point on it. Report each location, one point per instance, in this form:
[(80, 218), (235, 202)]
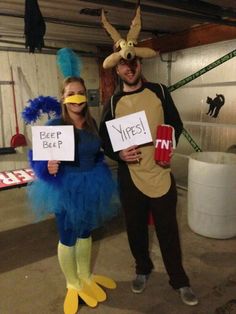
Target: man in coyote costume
[(145, 186)]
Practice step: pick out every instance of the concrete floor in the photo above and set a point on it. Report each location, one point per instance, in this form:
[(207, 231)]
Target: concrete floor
[(32, 283)]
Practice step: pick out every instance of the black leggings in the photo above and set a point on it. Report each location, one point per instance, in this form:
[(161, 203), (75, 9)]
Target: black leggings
[(136, 206)]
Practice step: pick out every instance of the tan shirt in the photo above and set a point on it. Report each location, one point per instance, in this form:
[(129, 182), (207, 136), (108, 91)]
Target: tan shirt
[(148, 177)]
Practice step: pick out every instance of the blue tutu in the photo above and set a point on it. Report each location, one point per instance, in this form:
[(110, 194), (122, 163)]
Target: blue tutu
[(88, 198)]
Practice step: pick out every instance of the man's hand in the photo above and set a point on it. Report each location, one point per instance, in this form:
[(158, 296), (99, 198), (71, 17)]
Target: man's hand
[(165, 164), (131, 154), (53, 166)]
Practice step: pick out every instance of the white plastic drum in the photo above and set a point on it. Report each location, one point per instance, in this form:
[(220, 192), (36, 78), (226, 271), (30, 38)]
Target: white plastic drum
[(212, 194)]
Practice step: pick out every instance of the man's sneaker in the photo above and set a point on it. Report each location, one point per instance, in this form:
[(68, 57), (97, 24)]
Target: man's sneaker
[(187, 295), (139, 283)]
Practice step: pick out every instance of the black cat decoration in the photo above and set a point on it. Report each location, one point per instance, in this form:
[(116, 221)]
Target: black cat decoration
[(215, 105)]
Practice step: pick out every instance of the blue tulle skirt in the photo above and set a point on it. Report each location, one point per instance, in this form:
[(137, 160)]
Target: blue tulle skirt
[(86, 198)]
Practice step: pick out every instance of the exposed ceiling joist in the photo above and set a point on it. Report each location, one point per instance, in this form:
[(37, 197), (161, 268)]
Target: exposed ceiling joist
[(198, 15), (74, 23), (77, 22), (199, 7)]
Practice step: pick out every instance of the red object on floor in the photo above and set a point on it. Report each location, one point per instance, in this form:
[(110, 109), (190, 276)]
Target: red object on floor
[(15, 178)]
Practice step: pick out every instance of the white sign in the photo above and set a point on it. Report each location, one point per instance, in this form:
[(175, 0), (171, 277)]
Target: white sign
[(129, 130), (53, 142)]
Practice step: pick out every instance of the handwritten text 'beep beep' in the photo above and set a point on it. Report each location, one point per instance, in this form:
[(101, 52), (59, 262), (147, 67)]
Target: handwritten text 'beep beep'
[(51, 139)]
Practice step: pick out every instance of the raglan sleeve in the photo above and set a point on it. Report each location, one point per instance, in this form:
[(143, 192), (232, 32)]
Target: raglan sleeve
[(103, 133), (172, 115)]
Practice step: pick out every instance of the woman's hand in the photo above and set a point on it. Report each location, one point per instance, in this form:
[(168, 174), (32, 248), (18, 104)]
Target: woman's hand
[(131, 154), (53, 166)]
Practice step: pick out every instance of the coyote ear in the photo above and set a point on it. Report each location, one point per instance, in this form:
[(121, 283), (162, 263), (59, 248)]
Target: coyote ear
[(135, 27), (110, 29), (145, 52), (112, 60)]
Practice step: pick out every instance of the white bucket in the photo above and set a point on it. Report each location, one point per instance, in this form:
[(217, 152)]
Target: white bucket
[(212, 194)]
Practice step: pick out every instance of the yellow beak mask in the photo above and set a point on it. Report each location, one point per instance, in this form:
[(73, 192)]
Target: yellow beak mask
[(75, 99)]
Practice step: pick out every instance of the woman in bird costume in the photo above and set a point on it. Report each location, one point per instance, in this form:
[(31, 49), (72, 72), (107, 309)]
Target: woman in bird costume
[(79, 193)]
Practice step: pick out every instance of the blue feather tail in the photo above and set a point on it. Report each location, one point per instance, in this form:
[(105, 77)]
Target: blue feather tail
[(39, 106)]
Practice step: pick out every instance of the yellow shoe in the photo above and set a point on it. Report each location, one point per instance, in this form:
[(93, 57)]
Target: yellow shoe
[(104, 281), (94, 289), (71, 302), (87, 297)]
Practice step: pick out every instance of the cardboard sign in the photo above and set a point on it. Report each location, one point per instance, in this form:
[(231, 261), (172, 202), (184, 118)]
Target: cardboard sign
[(129, 130), (53, 142)]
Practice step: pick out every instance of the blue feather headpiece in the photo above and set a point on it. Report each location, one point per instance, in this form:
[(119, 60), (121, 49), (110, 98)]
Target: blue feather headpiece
[(39, 106), (68, 62)]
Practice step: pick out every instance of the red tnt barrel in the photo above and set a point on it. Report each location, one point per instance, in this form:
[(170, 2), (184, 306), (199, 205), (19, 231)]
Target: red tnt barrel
[(165, 142)]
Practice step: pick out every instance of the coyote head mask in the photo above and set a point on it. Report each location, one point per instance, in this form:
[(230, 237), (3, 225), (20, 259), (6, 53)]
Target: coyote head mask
[(126, 48)]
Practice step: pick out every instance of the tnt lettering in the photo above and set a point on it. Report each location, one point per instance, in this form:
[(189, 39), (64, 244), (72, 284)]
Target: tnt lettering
[(163, 144)]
